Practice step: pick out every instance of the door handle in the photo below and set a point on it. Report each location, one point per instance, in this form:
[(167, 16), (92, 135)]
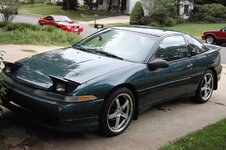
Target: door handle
[(189, 66)]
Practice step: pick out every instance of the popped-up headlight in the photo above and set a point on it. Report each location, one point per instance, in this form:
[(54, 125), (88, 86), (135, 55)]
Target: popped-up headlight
[(62, 86), (11, 67)]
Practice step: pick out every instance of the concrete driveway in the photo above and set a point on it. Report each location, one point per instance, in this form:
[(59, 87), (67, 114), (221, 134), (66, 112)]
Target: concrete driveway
[(154, 128)]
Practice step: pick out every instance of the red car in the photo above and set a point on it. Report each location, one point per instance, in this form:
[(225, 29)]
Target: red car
[(215, 36), (62, 22)]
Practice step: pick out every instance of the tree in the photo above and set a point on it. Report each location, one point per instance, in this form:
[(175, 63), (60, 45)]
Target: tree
[(163, 12), (8, 9), (70, 4), (202, 2), (91, 4), (136, 14)]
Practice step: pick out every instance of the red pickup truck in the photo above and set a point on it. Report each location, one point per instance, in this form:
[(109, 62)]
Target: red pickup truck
[(215, 36)]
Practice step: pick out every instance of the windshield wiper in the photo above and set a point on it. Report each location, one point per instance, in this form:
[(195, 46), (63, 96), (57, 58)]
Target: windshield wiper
[(81, 48), (107, 54)]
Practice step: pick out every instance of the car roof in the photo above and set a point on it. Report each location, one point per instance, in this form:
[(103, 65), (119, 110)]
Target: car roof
[(148, 30)]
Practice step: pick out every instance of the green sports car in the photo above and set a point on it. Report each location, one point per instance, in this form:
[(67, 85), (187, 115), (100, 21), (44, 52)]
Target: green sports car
[(104, 81)]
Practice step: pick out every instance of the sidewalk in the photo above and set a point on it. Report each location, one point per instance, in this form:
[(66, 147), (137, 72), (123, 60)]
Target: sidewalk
[(117, 19)]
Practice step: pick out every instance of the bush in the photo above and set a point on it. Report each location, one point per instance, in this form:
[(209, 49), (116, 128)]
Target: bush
[(21, 27), (154, 24), (144, 20), (136, 14), (22, 33), (163, 12), (4, 24), (212, 13)]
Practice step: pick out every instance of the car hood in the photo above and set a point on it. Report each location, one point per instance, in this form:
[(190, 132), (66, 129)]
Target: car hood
[(69, 23), (68, 63)]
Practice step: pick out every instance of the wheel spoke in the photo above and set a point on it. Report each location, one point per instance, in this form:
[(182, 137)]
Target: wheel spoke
[(206, 93), (117, 122), (205, 80), (125, 105), (209, 82), (111, 116), (203, 88), (118, 104), (124, 115)]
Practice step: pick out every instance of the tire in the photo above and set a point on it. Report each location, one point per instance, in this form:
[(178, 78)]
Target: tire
[(117, 112), (205, 88), (40, 24), (210, 39)]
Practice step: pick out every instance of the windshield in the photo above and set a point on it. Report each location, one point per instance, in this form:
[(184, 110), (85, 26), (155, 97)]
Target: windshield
[(118, 43), (62, 19)]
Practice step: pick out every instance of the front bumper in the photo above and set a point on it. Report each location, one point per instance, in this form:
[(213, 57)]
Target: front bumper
[(76, 30), (80, 116)]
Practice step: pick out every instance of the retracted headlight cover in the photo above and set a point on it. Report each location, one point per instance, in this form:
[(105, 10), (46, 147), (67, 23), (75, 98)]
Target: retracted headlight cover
[(62, 86), (11, 67)]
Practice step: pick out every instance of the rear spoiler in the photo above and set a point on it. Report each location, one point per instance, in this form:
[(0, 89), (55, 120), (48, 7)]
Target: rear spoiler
[(212, 47)]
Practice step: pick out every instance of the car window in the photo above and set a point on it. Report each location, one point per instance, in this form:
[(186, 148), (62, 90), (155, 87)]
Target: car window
[(125, 44), (224, 29), (172, 48), (49, 18), (199, 47)]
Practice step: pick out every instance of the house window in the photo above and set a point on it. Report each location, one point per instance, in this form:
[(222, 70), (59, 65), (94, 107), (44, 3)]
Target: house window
[(186, 9)]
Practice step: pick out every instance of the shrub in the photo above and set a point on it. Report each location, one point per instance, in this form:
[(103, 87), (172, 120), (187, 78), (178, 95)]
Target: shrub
[(164, 12), (154, 24), (22, 33), (21, 27), (136, 14), (144, 20), (212, 13), (4, 24)]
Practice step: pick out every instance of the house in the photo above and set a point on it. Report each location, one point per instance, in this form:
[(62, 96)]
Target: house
[(81, 2), (126, 6), (185, 8)]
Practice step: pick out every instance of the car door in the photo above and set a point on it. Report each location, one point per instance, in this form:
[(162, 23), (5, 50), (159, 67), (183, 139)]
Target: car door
[(198, 62), (223, 34), (49, 20), (167, 83)]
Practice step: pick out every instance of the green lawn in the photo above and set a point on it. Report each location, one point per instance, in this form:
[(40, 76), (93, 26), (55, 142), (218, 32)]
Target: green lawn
[(42, 10), (212, 137), (196, 30)]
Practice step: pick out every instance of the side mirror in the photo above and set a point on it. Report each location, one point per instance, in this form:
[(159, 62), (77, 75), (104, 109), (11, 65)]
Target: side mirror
[(158, 63)]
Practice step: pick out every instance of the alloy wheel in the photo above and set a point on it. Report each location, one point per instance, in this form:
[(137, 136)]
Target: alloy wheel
[(120, 113), (209, 40), (207, 86)]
